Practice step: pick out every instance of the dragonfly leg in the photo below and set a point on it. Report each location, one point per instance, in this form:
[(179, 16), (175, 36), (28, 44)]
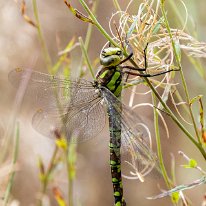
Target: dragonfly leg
[(145, 56), (150, 75), (129, 57), (144, 69), (133, 68)]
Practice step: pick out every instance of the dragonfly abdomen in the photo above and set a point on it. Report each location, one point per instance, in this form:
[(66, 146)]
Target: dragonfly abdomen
[(115, 156)]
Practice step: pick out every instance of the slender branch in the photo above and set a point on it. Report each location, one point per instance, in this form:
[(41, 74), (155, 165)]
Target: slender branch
[(174, 118), (47, 175), (181, 74), (97, 24), (14, 160), (41, 38), (86, 57), (159, 149)]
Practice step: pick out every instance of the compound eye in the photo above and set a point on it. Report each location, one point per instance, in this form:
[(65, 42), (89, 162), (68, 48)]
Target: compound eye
[(119, 53), (103, 53)]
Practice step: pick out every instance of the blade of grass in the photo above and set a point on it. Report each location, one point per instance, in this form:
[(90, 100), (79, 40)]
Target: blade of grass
[(41, 38), (14, 160), (86, 57), (158, 141), (45, 181), (71, 171)]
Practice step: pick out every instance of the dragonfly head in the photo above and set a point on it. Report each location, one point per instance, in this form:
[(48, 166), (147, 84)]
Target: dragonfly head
[(111, 56)]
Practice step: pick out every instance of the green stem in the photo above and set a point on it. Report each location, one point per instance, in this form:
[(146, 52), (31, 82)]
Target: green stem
[(41, 38), (89, 30), (70, 182), (14, 160), (196, 62), (97, 24), (181, 73), (86, 57), (116, 4), (70, 155), (159, 149), (47, 175), (88, 37), (174, 118)]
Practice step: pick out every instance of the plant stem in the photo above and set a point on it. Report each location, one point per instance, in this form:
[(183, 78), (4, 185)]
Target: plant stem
[(116, 4), (47, 174), (158, 141), (86, 57), (88, 37), (41, 38), (182, 76), (97, 24), (14, 160), (89, 30), (70, 182), (71, 171), (174, 118)]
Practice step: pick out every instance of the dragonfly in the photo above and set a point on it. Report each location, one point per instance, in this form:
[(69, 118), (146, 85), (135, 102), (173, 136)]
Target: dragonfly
[(81, 113)]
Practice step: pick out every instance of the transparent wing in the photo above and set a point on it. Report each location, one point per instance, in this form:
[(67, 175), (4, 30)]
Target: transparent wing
[(72, 106), (135, 141), (78, 123), (48, 88)]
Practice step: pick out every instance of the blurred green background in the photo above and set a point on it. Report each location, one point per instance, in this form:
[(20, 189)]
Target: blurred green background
[(19, 47)]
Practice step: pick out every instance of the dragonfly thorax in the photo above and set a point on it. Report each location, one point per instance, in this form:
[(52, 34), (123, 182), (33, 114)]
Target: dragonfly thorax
[(111, 78)]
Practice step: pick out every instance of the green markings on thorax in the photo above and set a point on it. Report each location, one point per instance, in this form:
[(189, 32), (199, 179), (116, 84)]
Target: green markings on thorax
[(111, 78)]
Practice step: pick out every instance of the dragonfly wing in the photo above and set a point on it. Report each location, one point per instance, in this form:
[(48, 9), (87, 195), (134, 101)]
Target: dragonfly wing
[(74, 106), (78, 124), (137, 151), (47, 89), (46, 123), (85, 121), (134, 135)]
